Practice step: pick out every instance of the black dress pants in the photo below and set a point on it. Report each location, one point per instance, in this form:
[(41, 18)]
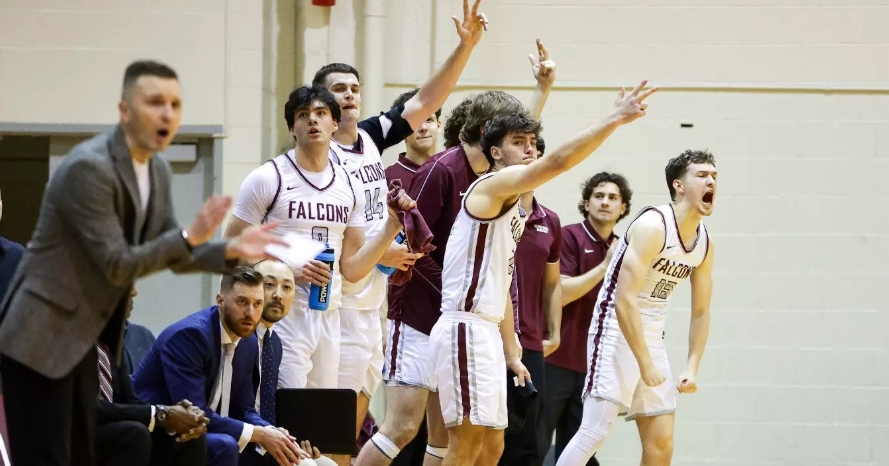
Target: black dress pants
[(51, 422)]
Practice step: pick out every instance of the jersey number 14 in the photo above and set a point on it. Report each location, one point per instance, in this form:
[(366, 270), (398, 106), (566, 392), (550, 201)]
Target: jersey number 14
[(373, 207)]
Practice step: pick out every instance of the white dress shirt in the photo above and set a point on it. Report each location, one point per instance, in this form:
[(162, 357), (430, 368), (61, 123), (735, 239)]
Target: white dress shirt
[(218, 391)]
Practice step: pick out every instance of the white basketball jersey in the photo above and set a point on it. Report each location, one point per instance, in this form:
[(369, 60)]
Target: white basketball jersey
[(367, 168), (669, 269), (480, 261), (307, 208)]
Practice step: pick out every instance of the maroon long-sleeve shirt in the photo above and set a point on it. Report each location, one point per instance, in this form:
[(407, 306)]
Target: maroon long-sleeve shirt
[(438, 187)]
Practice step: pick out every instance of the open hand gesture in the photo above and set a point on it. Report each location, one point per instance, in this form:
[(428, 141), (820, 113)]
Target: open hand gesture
[(543, 68), (470, 30), (630, 107)]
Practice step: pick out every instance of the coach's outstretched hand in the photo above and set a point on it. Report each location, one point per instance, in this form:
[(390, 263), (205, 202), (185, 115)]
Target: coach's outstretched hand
[(543, 68), (251, 243), (209, 217), (474, 23), (630, 107)]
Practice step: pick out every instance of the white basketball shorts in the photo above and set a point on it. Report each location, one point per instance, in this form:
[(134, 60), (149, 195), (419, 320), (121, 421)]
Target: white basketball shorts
[(361, 351), (613, 375), (408, 358), (470, 370), (311, 348)]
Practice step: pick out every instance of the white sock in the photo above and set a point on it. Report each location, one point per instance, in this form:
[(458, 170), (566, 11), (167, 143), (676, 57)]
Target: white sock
[(598, 415), (385, 445)]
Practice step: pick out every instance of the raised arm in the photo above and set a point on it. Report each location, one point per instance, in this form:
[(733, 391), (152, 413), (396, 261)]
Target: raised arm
[(699, 330), (544, 71), (646, 237), (518, 179), (435, 91)]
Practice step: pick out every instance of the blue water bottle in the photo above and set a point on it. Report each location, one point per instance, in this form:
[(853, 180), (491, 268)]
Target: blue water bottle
[(319, 296), (399, 238)]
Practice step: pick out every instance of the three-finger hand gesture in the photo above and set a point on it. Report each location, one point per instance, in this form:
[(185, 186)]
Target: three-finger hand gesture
[(630, 107), (473, 24), (543, 68)]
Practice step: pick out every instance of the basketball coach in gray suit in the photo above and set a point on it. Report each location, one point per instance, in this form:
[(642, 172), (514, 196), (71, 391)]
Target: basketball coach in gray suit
[(106, 220)]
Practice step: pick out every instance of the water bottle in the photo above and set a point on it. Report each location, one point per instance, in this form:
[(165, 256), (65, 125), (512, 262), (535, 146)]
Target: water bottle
[(390, 270), (319, 296)]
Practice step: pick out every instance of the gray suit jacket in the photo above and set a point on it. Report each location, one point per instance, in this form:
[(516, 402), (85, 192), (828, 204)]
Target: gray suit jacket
[(92, 242)]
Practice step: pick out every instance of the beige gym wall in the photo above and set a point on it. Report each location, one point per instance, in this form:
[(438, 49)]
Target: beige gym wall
[(791, 97)]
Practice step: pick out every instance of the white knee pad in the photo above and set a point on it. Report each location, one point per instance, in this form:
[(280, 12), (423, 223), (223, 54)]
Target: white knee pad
[(436, 451), (386, 446)]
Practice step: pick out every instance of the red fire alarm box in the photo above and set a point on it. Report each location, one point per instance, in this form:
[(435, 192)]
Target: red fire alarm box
[(324, 2)]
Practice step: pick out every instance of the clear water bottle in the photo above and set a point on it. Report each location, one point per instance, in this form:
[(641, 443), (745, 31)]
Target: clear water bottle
[(319, 296), (399, 238)]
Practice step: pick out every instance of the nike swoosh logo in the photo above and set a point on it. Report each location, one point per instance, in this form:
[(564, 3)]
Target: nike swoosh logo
[(462, 193), (291, 187), (588, 251)]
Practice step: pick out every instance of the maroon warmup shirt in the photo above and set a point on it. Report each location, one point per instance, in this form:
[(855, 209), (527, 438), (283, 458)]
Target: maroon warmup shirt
[(437, 187), (540, 244), (582, 250), (403, 170)]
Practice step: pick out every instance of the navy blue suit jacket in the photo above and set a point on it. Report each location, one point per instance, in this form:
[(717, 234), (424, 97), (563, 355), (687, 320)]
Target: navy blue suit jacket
[(183, 364)]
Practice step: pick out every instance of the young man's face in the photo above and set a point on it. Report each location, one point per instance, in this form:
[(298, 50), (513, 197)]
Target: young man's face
[(313, 125), (152, 112), (241, 308), (605, 204), (425, 139), (698, 187), (516, 149), (347, 92), (279, 289)]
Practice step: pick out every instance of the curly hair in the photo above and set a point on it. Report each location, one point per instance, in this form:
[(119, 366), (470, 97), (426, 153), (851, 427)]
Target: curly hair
[(469, 117), (498, 128), (626, 194), (677, 166)]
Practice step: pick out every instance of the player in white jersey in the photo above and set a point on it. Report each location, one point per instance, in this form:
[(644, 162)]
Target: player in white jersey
[(628, 367), (470, 354), (308, 194), (358, 145)]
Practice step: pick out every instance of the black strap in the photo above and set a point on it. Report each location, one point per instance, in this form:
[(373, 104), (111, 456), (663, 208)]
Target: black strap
[(271, 206)]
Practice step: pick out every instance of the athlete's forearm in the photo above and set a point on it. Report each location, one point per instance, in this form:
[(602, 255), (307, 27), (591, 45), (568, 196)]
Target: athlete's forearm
[(698, 332), (538, 100), (359, 264), (630, 322), (511, 350), (435, 91), (552, 309), (574, 288)]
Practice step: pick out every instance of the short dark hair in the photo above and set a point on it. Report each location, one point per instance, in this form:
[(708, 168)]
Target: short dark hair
[(677, 166), (303, 96), (626, 194), (320, 78), (541, 145), (240, 274), (502, 125), (141, 68), (403, 98)]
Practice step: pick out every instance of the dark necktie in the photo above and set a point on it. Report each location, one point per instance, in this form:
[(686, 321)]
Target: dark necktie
[(106, 392), (267, 382)]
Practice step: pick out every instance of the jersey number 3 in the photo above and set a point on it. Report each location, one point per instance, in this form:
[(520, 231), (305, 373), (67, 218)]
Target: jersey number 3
[(373, 207)]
